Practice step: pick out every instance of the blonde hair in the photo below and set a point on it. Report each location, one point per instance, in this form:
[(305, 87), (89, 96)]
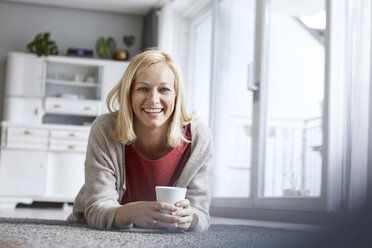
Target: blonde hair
[(121, 95)]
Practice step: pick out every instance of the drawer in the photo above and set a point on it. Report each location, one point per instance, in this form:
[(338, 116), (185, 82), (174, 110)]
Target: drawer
[(69, 134), (67, 146), (19, 137), (27, 133), (34, 145), (69, 106)]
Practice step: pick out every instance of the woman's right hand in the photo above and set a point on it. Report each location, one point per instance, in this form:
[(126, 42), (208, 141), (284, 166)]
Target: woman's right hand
[(146, 214)]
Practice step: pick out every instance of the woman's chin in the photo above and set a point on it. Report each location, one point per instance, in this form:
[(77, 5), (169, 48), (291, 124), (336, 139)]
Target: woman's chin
[(154, 124)]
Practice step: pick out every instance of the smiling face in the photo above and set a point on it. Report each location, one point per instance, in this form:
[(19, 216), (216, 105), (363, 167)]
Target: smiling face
[(153, 96)]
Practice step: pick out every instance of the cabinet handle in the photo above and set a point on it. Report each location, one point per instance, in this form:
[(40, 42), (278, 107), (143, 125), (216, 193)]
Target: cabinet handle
[(71, 147), (87, 108), (36, 111), (27, 132), (57, 106), (72, 134)]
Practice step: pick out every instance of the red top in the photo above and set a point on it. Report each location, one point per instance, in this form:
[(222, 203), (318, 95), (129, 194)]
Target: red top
[(142, 174)]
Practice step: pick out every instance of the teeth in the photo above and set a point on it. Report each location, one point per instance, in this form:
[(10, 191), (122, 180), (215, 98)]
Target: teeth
[(153, 111)]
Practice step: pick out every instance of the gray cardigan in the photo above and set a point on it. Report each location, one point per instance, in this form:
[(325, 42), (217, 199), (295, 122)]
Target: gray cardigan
[(100, 196)]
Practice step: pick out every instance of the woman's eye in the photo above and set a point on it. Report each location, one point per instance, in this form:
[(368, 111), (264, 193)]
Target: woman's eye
[(142, 89), (164, 89)]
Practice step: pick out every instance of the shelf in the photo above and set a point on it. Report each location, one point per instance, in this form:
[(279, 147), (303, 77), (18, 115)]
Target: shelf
[(72, 83)]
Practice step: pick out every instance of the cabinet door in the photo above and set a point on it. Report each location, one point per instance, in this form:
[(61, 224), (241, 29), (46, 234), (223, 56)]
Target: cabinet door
[(111, 75), (24, 75), (23, 110), (65, 174), (22, 172)]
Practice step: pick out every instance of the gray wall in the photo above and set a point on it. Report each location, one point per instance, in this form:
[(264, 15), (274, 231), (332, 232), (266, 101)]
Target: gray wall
[(19, 23)]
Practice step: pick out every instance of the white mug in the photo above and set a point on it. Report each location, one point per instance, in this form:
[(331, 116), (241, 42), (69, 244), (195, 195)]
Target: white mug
[(170, 195)]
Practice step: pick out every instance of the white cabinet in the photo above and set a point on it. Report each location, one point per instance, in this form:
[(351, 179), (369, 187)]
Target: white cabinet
[(48, 89), (42, 162), (22, 172), (49, 105)]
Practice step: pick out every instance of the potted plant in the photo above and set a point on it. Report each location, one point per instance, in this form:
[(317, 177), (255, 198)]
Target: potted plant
[(42, 46), (293, 180), (105, 48)]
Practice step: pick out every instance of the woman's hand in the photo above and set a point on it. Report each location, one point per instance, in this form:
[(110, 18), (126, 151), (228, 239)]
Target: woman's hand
[(186, 215), (147, 214)]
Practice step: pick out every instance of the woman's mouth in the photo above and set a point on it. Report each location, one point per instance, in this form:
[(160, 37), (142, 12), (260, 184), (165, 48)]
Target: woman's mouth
[(153, 110)]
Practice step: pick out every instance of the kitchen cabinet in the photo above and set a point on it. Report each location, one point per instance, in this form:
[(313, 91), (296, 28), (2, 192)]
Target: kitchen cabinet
[(51, 89), (42, 162), (49, 105)]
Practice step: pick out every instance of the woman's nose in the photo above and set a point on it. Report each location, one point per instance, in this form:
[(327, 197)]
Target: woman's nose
[(155, 96)]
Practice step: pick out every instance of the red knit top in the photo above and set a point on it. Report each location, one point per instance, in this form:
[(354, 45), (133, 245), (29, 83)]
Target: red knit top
[(142, 174)]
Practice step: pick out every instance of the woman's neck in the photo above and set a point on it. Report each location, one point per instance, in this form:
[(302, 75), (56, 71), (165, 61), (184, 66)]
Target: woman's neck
[(152, 143)]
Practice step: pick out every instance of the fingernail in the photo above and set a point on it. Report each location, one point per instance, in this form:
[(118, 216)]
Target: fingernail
[(178, 204), (173, 213)]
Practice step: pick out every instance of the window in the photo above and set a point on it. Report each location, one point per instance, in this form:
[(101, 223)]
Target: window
[(274, 88), (267, 112)]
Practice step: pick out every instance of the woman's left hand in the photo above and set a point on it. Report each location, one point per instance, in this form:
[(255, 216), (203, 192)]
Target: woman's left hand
[(186, 214)]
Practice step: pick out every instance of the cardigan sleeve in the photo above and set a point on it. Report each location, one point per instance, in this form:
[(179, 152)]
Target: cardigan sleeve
[(97, 201), (200, 195), (198, 173)]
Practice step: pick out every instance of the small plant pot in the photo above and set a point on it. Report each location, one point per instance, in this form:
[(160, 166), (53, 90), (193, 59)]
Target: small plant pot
[(290, 192), (122, 55)]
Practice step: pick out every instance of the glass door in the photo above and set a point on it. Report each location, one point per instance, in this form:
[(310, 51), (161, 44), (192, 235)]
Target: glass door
[(233, 101), (295, 90), (290, 166), (268, 104)]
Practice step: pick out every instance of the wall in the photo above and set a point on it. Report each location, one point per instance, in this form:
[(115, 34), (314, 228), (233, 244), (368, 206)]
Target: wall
[(19, 23)]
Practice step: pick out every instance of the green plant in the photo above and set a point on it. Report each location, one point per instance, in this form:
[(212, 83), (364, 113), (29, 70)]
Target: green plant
[(41, 45), (128, 40), (105, 48)]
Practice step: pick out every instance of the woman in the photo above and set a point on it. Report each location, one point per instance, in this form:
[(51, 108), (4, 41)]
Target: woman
[(146, 140)]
